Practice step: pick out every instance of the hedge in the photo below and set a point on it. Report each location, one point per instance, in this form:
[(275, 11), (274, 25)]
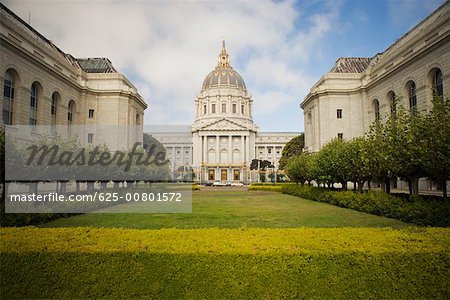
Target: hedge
[(338, 263), (271, 188), (421, 211)]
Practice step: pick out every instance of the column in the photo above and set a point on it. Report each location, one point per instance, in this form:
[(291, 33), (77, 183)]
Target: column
[(217, 149), (173, 158), (205, 149), (230, 149), (242, 151)]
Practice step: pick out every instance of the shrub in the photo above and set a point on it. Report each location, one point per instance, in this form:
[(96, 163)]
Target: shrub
[(272, 188), (211, 263), (416, 210)]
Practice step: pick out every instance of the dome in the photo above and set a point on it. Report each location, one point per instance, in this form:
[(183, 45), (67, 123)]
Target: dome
[(223, 75)]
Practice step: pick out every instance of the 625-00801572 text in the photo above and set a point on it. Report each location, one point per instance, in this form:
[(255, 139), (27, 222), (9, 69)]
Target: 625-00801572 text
[(98, 196)]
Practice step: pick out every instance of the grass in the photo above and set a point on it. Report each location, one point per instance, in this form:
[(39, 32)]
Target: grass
[(236, 209), (235, 244), (338, 263)]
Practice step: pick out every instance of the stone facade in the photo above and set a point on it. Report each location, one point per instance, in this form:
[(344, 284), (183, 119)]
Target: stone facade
[(346, 100), (42, 85), (224, 137)]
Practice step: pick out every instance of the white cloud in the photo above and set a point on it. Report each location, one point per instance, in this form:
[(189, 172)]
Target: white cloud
[(403, 13), (169, 47)]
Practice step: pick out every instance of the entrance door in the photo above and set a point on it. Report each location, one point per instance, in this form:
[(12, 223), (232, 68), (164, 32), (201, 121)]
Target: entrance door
[(211, 175), (223, 174), (237, 175)]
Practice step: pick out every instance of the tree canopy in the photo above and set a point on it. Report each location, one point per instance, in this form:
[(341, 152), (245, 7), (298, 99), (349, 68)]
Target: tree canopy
[(293, 147)]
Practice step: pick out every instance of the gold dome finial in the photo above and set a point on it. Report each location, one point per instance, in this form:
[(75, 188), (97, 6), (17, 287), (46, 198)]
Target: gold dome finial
[(223, 57)]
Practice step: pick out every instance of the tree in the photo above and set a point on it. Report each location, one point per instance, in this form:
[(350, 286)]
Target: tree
[(293, 147), (298, 168), (437, 142), (259, 164), (359, 170), (150, 142)]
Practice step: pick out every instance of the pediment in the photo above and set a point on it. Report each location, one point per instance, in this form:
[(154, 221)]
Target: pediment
[(225, 124)]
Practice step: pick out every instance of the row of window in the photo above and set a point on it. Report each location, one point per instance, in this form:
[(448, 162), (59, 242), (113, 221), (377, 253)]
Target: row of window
[(9, 97), (224, 108), (438, 90)]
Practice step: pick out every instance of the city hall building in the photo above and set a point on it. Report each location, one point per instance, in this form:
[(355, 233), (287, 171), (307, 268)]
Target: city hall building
[(42, 85), (224, 139), (357, 91)]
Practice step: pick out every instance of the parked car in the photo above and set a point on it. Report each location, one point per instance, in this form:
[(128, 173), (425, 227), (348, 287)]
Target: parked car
[(237, 184), (219, 183)]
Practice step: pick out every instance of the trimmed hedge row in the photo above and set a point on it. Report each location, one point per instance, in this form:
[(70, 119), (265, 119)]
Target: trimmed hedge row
[(271, 188), (300, 263), (417, 210)]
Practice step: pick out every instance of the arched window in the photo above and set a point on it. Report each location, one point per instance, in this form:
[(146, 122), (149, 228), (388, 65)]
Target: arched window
[(70, 112), (33, 104), (138, 119), (236, 156), (392, 99), (223, 156), (211, 156), (54, 108), (411, 86), (438, 87), (8, 98), (376, 109)]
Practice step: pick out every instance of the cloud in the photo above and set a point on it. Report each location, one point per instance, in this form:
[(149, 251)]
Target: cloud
[(168, 47), (404, 13)]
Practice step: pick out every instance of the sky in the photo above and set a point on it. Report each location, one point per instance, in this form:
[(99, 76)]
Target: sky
[(280, 48)]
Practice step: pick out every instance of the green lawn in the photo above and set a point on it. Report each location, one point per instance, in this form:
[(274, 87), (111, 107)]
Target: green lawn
[(236, 209), (235, 244)]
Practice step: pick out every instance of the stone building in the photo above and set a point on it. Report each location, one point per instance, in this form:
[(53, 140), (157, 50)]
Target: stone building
[(224, 137), (42, 85), (357, 91)]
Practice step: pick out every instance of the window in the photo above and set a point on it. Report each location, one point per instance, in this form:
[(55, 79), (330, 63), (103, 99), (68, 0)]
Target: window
[(204, 109), (33, 104), (340, 136), (54, 108), (392, 102), (234, 108), (70, 112), (90, 138), (269, 150), (224, 108), (376, 108), (8, 98), (412, 96), (438, 88), (242, 109), (236, 174), (211, 174), (223, 174), (339, 113), (91, 113), (213, 108)]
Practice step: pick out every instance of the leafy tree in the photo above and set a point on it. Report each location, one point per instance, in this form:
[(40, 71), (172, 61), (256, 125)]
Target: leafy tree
[(298, 168), (150, 142), (436, 142), (260, 164), (359, 170), (293, 147)]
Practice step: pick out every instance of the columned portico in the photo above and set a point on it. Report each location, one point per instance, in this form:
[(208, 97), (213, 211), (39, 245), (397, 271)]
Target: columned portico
[(224, 137)]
